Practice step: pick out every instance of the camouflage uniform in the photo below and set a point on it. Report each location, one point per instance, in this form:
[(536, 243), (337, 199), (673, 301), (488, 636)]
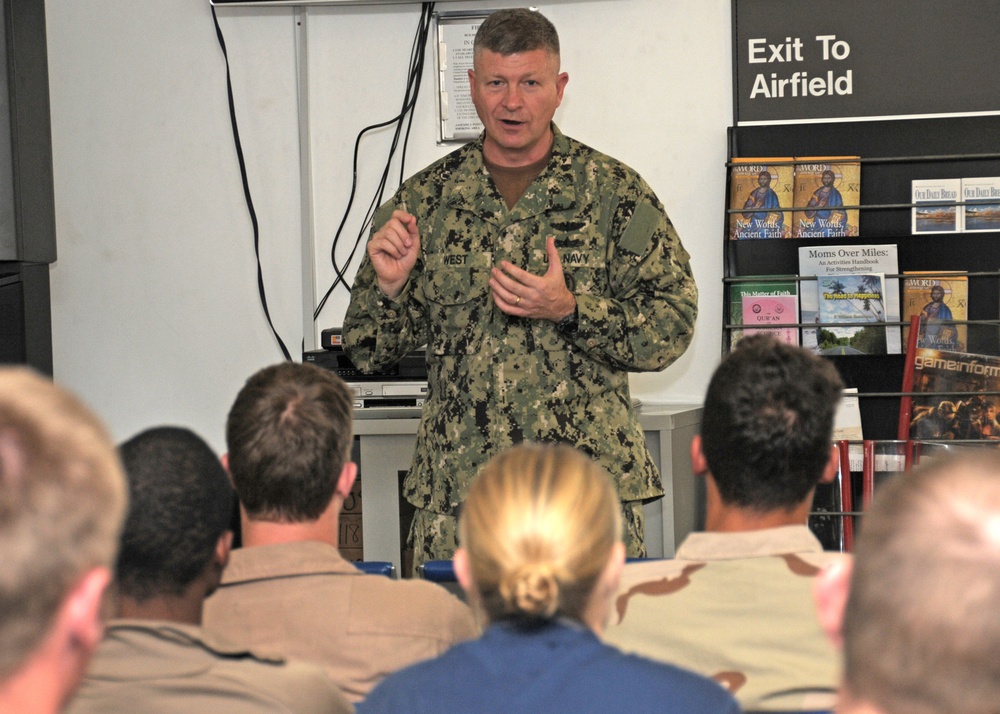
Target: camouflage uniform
[(496, 380), (737, 607)]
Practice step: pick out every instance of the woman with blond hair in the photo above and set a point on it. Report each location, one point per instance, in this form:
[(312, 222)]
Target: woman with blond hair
[(540, 556)]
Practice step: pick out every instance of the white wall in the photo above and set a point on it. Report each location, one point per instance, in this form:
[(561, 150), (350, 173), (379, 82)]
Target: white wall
[(156, 317)]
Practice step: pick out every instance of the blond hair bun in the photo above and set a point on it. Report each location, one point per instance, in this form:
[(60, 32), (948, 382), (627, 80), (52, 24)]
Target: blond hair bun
[(532, 590)]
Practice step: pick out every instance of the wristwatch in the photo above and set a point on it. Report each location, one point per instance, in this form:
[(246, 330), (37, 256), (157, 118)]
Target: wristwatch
[(569, 324)]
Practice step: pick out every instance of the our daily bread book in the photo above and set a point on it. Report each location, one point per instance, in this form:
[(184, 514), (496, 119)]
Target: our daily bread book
[(824, 185), (935, 205), (761, 190), (982, 204)]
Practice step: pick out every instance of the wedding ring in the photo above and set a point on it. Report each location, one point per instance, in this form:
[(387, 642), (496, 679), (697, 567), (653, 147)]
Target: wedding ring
[(518, 300)]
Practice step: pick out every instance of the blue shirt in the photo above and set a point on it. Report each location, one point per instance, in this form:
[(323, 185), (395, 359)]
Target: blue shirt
[(557, 667)]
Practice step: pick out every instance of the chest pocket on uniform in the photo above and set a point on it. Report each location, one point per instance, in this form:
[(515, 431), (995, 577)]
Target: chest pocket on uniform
[(457, 289)]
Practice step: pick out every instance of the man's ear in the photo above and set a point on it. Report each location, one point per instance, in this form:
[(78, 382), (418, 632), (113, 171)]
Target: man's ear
[(699, 465), (612, 574), (830, 590), (346, 479), (223, 547), (832, 467), (225, 465), (460, 561), (80, 614)]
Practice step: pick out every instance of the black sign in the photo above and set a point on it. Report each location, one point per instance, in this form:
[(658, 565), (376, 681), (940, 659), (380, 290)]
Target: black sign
[(806, 59)]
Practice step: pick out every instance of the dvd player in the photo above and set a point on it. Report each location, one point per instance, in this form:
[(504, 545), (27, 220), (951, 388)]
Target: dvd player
[(412, 367)]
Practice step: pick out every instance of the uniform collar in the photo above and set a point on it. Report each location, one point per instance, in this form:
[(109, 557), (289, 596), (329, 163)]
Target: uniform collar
[(749, 544), (282, 560), (554, 189)]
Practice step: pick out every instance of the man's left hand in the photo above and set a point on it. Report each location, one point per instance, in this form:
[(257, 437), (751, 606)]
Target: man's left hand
[(522, 294)]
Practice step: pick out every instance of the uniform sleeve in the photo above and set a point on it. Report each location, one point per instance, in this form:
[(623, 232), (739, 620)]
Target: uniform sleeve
[(647, 321), (378, 331)]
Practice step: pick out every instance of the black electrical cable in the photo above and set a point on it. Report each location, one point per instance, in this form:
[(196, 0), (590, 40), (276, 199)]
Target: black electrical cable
[(414, 74), (246, 189)]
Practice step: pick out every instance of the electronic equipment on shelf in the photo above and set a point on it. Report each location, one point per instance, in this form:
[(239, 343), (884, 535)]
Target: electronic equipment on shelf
[(397, 392)]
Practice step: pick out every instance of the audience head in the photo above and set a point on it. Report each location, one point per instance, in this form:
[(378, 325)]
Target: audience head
[(767, 424), (62, 499), (181, 505), (540, 534), (289, 435), (920, 629), (515, 31)]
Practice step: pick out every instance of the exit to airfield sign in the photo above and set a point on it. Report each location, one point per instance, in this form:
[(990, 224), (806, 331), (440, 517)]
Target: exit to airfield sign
[(800, 60)]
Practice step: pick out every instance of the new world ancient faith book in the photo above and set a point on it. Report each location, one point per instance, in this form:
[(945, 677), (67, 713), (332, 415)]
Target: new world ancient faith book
[(824, 186), (761, 190), (939, 298)]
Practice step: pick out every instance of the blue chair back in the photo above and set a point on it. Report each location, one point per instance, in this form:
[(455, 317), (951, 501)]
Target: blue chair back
[(376, 567)]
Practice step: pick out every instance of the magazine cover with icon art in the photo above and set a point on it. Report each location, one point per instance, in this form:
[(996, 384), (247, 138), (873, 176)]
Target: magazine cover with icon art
[(761, 190), (824, 185), (939, 298)]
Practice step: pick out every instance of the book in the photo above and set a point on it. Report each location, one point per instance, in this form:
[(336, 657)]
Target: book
[(831, 260), (938, 298), (759, 187), (847, 419), (772, 302), (935, 207), (823, 186), (982, 204), (956, 405), (857, 299)]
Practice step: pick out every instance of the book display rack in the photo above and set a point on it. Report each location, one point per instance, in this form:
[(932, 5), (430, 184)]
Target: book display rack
[(893, 154)]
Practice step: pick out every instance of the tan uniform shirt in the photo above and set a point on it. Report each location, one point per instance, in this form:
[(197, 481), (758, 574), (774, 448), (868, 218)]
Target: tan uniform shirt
[(305, 601), (154, 666), (737, 607)]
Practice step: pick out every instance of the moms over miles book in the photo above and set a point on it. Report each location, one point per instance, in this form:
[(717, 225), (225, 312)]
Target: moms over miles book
[(768, 305), (762, 191), (982, 203), (935, 208), (958, 410), (823, 186), (852, 299), (835, 260), (938, 298)]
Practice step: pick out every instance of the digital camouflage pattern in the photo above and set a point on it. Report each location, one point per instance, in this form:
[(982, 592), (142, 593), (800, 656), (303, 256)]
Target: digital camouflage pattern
[(434, 536), (739, 608), (496, 380)]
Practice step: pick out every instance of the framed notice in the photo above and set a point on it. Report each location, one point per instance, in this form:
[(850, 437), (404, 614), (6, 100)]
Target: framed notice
[(457, 118)]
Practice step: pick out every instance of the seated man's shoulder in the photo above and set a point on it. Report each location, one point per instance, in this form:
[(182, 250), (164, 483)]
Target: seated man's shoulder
[(282, 685), (668, 570), (413, 605), (173, 667)]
